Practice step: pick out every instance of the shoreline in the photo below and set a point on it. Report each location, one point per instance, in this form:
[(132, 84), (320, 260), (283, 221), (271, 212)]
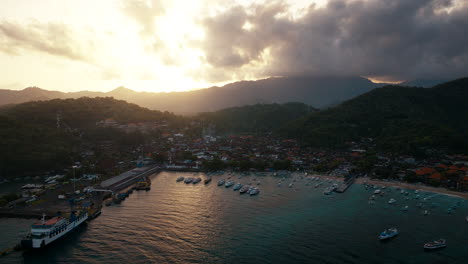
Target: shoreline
[(412, 186)]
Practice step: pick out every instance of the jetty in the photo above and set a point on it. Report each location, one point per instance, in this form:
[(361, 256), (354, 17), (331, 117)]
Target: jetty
[(348, 181), (128, 178)]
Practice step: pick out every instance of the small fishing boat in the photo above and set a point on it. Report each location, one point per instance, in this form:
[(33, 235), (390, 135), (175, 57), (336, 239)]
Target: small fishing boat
[(441, 243), (208, 180), (254, 191), (426, 212), (327, 191), (196, 180), (405, 208), (392, 201), (389, 233), (378, 191), (244, 189), (237, 187), (221, 182), (229, 184), (188, 180), (180, 178)]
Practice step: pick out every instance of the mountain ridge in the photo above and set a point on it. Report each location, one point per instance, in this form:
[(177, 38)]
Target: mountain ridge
[(318, 92)]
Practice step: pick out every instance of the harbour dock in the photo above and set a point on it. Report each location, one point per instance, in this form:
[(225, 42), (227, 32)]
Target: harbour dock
[(128, 178), (348, 181)]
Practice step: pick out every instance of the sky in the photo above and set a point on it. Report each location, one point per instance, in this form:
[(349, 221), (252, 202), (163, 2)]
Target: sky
[(179, 45)]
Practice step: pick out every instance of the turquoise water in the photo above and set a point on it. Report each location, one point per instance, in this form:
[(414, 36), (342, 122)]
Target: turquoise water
[(180, 223)]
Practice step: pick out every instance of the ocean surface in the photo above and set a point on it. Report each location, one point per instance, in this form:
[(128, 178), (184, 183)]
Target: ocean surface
[(185, 223)]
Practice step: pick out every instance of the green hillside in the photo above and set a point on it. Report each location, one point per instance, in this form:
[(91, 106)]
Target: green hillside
[(32, 142), (400, 119), (258, 118)]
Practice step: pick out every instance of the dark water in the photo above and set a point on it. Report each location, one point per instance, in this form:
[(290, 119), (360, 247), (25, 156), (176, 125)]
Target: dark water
[(180, 223)]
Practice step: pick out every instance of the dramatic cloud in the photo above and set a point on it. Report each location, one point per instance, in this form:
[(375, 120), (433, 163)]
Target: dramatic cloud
[(392, 39), (52, 38), (144, 14)]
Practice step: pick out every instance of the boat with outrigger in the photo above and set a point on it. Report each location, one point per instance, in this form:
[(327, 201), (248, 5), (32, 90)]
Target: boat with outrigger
[(388, 233), (244, 189), (436, 244)]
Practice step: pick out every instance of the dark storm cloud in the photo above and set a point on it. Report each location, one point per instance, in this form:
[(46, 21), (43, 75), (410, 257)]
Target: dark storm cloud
[(52, 38), (398, 39)]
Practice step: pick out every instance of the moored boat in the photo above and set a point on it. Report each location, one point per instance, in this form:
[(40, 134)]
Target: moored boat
[(196, 180), (47, 231), (221, 182), (254, 191), (388, 233), (208, 180), (180, 178), (391, 201), (188, 180), (237, 186), (244, 189), (441, 243), (229, 184)]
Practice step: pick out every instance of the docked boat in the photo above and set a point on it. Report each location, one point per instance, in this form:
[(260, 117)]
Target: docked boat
[(441, 243), (244, 189), (144, 183), (405, 208), (196, 180), (229, 184), (392, 201), (291, 185), (188, 180), (180, 178), (372, 197), (378, 191), (327, 191), (254, 191), (237, 186), (221, 182), (426, 212), (47, 231), (206, 181), (389, 233)]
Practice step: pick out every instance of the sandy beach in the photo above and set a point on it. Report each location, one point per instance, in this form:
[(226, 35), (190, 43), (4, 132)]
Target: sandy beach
[(404, 185)]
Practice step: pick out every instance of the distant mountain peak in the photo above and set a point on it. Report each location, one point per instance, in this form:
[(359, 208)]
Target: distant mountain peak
[(122, 89)]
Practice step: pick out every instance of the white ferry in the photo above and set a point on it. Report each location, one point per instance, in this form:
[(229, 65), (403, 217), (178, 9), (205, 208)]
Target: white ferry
[(47, 231)]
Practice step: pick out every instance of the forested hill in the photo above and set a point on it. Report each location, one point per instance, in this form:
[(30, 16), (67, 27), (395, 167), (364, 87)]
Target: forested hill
[(32, 141), (401, 119), (258, 118), (81, 112)]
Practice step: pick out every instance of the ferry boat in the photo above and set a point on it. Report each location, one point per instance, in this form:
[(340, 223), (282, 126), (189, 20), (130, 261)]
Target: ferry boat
[(389, 233), (46, 232), (441, 243)]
